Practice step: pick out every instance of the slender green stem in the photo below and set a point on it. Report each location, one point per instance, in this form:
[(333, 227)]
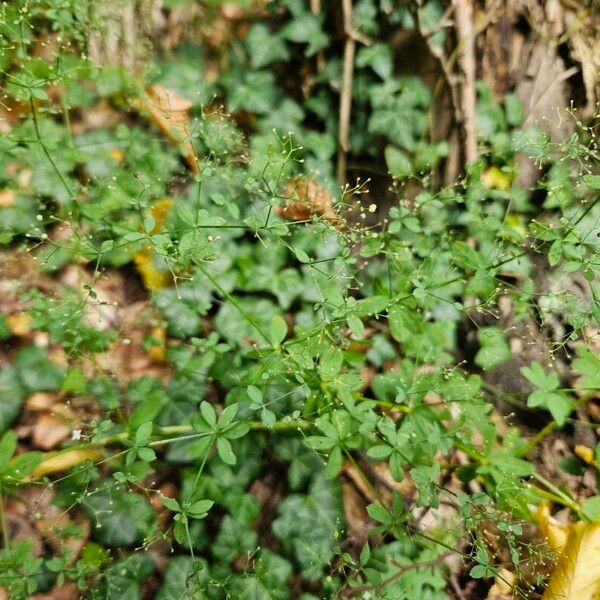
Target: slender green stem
[(3, 525), (45, 148)]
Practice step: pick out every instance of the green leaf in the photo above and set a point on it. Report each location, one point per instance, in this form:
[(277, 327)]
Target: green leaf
[(254, 394), (379, 513), (306, 29), (559, 406), (398, 162), (356, 326), (22, 465), (277, 330), (378, 57), (184, 578), (208, 413), (225, 451), (330, 363), (588, 365), (265, 46), (334, 464), (36, 372), (307, 525), (494, 348), (121, 518), (592, 181), (8, 445), (143, 433), (199, 509), (170, 503), (535, 374), (591, 508)]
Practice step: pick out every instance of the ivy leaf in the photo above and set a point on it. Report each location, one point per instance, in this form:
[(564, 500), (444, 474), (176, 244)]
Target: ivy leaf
[(307, 525), (36, 372), (265, 46), (306, 29), (121, 518), (12, 395), (184, 578)]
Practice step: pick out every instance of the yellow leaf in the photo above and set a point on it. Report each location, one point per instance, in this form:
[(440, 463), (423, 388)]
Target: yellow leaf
[(159, 211), (157, 351), (19, 324), (63, 461), (555, 532), (495, 179), (585, 453), (154, 279), (116, 155), (576, 575), (170, 113)]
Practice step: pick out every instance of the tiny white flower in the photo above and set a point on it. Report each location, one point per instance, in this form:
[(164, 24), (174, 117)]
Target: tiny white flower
[(76, 435)]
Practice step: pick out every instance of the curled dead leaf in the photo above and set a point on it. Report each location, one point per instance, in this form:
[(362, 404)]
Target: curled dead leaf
[(170, 113), (63, 461), (305, 198)]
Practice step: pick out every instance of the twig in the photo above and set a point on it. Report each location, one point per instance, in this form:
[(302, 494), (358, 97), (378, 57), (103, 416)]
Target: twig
[(466, 39), (315, 8), (351, 592), (346, 92)]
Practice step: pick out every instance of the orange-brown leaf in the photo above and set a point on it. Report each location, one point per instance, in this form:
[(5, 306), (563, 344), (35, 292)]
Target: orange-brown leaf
[(170, 113)]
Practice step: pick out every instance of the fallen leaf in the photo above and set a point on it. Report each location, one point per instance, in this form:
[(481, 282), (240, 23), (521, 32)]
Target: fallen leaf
[(116, 155), (41, 401), (170, 113), (306, 198), (555, 532), (503, 585), (67, 591), (19, 324), (63, 461), (157, 351), (576, 575), (49, 432), (154, 279), (585, 453), (7, 198), (495, 179)]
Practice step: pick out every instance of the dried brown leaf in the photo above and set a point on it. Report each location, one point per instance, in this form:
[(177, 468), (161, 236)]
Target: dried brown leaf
[(305, 198), (170, 113)]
